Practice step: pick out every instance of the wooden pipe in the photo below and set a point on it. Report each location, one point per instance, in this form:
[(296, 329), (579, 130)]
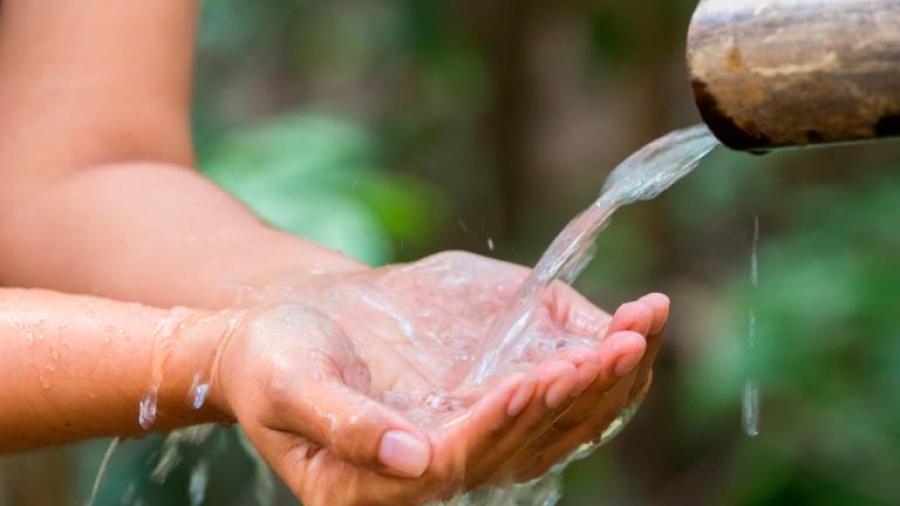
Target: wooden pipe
[(768, 74)]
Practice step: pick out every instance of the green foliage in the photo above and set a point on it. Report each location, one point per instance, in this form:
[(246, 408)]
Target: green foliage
[(827, 356), (414, 86), (314, 176)]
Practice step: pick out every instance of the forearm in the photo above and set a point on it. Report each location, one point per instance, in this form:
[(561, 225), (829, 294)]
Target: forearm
[(89, 81), (78, 367), (95, 153), (152, 233)]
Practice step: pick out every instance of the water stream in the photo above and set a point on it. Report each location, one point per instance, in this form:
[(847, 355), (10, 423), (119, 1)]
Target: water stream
[(750, 400), (642, 176)]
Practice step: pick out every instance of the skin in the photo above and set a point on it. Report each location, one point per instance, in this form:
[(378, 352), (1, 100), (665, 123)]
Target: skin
[(100, 197), (306, 383), (83, 365), (495, 436)]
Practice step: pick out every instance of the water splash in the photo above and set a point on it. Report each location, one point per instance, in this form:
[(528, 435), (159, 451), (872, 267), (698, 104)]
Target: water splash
[(171, 449), (544, 491), (264, 490), (198, 482), (199, 391), (750, 408), (751, 394), (101, 471), (163, 341), (147, 408), (128, 497), (642, 176)]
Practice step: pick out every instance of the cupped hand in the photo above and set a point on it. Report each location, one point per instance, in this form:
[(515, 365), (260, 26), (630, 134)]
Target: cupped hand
[(356, 387)]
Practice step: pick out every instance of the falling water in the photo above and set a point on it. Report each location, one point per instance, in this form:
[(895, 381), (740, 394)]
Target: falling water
[(642, 176), (101, 471), (163, 341), (199, 391), (170, 454), (750, 402), (198, 482)]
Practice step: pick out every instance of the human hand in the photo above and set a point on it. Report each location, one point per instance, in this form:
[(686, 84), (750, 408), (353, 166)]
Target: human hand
[(353, 386)]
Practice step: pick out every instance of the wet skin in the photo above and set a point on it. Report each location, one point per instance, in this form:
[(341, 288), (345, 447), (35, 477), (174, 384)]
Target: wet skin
[(306, 377), (99, 197)]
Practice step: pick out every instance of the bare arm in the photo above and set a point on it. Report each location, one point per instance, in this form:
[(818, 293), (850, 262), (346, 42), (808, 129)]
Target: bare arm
[(95, 153), (58, 388)]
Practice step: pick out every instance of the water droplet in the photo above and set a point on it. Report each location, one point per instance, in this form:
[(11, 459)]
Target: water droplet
[(168, 460), (199, 392), (170, 454), (642, 176), (101, 471), (129, 495), (147, 413), (751, 394), (750, 409), (198, 482), (463, 356), (754, 261)]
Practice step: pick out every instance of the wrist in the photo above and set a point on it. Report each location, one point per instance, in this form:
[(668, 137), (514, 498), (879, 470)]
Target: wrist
[(190, 392)]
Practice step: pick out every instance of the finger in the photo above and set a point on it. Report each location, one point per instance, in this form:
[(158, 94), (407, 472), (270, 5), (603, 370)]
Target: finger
[(317, 477), (355, 427), (617, 357), (464, 440), (324, 478), (636, 316), (560, 443), (554, 380), (621, 352), (659, 305)]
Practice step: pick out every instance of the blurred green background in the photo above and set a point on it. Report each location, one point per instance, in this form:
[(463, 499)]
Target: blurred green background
[(393, 129)]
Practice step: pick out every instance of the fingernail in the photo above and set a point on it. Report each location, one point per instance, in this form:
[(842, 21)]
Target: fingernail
[(627, 363), (557, 393), (520, 399), (404, 453)]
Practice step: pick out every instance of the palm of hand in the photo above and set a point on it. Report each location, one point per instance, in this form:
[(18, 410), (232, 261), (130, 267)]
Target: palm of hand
[(421, 327), (406, 336)]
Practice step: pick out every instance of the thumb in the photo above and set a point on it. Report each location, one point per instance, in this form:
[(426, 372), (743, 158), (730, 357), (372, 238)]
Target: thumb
[(354, 426)]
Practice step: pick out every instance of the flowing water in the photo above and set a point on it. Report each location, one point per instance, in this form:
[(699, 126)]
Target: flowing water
[(642, 176), (101, 471), (750, 401)]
